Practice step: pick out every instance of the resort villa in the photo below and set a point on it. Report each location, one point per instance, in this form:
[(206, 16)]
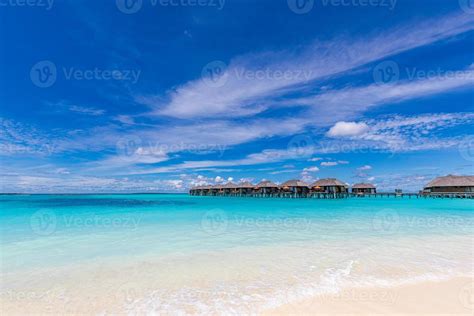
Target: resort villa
[(364, 188), (448, 186), (266, 188), (330, 185), (295, 188)]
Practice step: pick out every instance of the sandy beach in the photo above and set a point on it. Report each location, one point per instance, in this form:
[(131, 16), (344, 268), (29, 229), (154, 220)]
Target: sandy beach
[(453, 297)]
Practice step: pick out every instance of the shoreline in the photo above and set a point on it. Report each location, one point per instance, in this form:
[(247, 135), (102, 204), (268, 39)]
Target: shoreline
[(450, 297)]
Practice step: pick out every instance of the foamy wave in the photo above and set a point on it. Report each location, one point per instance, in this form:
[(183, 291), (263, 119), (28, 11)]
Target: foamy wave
[(251, 299)]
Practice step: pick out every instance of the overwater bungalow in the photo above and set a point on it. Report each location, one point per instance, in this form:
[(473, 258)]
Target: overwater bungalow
[(266, 188), (330, 185), (245, 188), (363, 188), (449, 185), (230, 188), (217, 190), (294, 188)]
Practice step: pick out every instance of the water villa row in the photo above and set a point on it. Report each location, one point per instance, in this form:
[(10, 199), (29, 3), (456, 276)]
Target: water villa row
[(449, 186)]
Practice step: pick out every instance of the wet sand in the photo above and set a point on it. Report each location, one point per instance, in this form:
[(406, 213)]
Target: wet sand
[(453, 297)]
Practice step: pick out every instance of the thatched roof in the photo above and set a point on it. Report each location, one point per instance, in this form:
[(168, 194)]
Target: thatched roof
[(203, 187), (294, 183), (217, 186), (329, 182), (363, 186), (245, 185), (452, 181), (266, 184), (229, 185)]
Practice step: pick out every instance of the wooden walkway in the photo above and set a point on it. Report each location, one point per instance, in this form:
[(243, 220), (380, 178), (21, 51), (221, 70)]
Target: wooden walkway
[(348, 195)]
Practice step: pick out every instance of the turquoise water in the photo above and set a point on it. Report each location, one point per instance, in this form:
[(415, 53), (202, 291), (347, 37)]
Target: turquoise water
[(364, 240)]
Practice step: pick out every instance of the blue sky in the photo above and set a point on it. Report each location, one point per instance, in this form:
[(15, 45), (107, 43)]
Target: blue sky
[(161, 95)]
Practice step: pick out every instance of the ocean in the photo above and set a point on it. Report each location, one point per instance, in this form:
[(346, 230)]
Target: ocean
[(180, 254)]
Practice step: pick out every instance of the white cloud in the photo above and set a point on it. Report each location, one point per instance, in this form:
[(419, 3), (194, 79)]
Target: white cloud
[(364, 168), (344, 129), (86, 110), (311, 169), (329, 163), (244, 96), (315, 159)]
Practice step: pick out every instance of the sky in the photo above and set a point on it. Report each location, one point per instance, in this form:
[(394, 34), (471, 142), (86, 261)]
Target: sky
[(163, 95)]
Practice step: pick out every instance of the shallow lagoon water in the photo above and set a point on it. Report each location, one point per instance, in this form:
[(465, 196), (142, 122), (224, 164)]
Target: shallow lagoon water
[(181, 253)]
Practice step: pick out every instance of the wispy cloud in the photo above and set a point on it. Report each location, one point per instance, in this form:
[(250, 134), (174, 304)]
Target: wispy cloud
[(86, 110), (244, 93)]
